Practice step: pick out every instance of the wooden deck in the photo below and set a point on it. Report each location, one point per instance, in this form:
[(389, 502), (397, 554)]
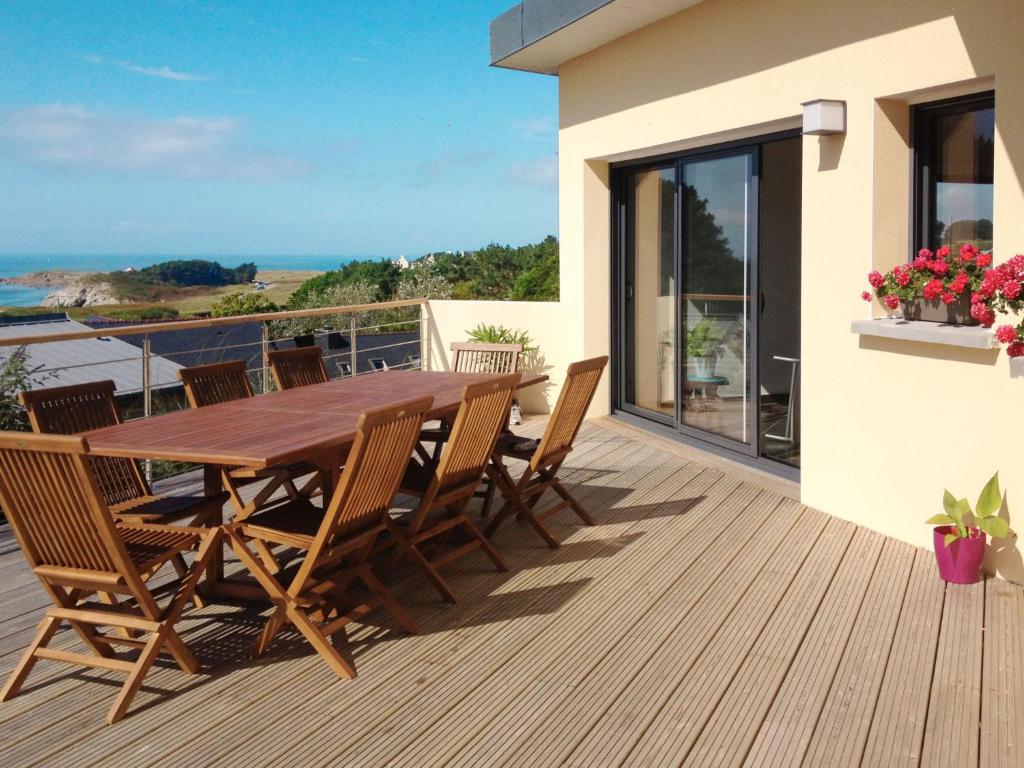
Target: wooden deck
[(707, 620)]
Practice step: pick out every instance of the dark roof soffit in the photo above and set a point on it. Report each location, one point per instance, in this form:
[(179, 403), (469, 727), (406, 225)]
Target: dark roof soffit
[(533, 20)]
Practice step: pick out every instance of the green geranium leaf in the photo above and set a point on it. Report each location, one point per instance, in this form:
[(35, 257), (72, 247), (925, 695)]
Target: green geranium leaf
[(940, 519), (990, 499), (950, 538)]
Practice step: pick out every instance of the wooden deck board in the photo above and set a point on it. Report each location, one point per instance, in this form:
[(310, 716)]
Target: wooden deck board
[(783, 654), (954, 708), (704, 619), (1002, 737)]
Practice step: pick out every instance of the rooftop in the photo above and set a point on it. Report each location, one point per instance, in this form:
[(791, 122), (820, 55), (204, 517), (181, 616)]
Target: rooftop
[(541, 35), (708, 618), (61, 363)]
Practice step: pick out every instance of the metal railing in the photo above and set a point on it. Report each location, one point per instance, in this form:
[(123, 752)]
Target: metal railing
[(356, 340)]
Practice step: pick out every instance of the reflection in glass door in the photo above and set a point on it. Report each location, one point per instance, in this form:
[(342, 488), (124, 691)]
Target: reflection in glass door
[(718, 211), (649, 288)]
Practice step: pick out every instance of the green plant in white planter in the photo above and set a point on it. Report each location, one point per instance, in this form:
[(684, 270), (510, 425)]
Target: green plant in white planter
[(703, 343)]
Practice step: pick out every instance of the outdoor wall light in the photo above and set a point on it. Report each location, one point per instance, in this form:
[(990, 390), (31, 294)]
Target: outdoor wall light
[(824, 117)]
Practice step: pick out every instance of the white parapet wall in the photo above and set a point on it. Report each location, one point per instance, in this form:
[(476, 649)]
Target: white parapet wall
[(544, 321)]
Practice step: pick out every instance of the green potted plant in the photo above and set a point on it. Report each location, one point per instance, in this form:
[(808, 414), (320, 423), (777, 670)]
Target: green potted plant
[(703, 343), (959, 536)]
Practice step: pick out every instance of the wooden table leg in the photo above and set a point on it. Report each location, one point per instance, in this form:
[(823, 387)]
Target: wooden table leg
[(212, 485)]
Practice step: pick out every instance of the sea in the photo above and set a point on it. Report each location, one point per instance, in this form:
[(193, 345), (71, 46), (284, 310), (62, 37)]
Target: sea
[(12, 265)]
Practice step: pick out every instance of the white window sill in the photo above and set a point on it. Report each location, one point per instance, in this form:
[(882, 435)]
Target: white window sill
[(970, 336)]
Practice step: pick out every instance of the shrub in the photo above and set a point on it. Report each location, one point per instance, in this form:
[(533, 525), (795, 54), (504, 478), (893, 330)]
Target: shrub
[(242, 303)]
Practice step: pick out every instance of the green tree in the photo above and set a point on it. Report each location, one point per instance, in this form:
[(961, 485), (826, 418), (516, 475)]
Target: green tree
[(15, 376), (382, 275)]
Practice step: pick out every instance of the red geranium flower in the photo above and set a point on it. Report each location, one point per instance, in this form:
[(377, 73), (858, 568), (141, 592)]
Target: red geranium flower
[(865, 295), (932, 289), (983, 259), (892, 302), (1006, 334), (1016, 349), (875, 278)]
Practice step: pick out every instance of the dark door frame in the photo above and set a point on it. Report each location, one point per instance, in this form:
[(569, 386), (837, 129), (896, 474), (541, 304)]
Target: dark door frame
[(673, 427)]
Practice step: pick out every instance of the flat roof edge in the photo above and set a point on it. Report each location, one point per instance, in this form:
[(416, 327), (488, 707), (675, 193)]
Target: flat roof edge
[(532, 20)]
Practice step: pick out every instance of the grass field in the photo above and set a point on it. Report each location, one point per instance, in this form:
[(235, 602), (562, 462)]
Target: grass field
[(281, 284)]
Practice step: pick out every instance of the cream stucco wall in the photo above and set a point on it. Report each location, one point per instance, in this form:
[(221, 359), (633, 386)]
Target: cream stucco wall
[(886, 425)]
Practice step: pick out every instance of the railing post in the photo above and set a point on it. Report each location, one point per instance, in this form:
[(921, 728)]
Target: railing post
[(264, 352), (424, 337), (147, 392), (353, 360)]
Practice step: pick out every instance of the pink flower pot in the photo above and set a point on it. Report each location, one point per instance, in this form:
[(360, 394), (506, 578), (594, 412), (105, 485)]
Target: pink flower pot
[(960, 562)]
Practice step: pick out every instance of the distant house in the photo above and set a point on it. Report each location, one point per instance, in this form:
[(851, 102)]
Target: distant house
[(401, 262), (259, 285), (129, 269), (77, 361)]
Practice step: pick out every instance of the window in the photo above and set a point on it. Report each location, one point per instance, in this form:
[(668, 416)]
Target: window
[(953, 147)]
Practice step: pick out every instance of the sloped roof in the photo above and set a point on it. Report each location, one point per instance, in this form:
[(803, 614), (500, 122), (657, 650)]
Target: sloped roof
[(60, 363)]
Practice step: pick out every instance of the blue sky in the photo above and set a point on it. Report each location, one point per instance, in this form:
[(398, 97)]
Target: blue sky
[(370, 128)]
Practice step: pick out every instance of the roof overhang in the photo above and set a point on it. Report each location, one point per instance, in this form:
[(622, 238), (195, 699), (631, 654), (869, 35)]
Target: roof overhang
[(541, 35)]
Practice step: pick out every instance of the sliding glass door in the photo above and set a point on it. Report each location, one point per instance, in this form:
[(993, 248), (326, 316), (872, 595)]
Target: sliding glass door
[(694, 352), (718, 212)]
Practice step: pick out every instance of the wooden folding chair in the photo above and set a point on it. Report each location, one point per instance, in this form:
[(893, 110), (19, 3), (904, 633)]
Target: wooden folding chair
[(78, 408), (476, 357), (544, 460), (445, 488), (298, 367), (55, 505), (336, 542), (207, 385)]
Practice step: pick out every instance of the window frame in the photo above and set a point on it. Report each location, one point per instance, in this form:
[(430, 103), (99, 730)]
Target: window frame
[(922, 121)]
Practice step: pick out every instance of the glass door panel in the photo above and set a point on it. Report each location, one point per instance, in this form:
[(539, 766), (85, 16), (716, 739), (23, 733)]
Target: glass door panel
[(778, 260), (718, 236), (649, 295)]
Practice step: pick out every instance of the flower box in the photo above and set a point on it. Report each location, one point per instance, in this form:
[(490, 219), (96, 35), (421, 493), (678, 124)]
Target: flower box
[(957, 312)]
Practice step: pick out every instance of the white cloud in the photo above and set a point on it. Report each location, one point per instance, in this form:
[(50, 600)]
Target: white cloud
[(164, 72), (542, 172), (75, 138)]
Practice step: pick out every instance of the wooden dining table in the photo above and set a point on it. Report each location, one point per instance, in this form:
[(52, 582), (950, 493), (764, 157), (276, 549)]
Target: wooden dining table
[(314, 424)]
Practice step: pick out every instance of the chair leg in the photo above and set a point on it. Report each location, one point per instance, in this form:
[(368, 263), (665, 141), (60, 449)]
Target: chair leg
[(135, 678), (486, 546), (575, 505), (388, 599), (47, 629), (514, 501), (283, 601), (414, 554)]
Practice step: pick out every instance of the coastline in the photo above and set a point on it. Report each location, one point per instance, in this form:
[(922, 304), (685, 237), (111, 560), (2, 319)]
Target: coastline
[(40, 285), (50, 278)]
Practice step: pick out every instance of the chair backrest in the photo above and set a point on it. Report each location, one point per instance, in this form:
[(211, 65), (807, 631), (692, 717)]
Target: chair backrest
[(216, 383), (482, 415), (298, 367), (474, 357), (380, 453), (577, 393), (55, 506), (78, 408)]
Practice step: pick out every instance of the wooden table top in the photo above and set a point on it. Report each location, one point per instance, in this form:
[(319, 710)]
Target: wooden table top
[(280, 427)]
